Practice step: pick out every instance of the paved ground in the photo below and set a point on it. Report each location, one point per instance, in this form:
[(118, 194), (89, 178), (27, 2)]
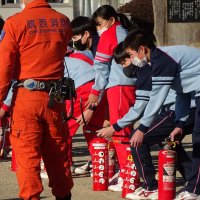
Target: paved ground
[(83, 185)]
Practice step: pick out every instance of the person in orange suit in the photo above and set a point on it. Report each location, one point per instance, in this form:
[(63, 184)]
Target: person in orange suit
[(33, 44)]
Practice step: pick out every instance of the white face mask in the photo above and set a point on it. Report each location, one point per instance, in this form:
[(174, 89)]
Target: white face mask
[(139, 63), (102, 31)]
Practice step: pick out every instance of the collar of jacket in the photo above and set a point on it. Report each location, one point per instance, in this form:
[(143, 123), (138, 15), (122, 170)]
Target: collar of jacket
[(117, 23), (153, 53), (37, 3)]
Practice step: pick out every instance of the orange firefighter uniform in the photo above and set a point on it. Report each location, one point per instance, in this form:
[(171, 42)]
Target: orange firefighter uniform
[(32, 45)]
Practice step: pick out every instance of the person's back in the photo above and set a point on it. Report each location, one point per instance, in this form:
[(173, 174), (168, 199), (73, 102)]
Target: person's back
[(38, 33), (189, 64)]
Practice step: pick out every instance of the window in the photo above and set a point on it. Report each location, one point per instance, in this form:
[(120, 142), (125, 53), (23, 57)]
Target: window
[(4, 2), (8, 2)]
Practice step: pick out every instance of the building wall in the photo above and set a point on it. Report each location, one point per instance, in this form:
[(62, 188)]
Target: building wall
[(6, 11), (88, 7), (71, 8), (174, 33)]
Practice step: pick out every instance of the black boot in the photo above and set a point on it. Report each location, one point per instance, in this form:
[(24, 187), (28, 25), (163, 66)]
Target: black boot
[(68, 197)]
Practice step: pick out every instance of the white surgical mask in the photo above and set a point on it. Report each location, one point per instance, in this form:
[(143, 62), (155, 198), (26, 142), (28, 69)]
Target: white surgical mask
[(102, 30), (139, 63)]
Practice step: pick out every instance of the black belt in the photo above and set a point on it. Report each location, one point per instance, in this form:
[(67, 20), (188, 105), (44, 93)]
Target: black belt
[(31, 84)]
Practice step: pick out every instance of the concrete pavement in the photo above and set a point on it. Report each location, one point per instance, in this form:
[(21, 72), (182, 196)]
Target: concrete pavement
[(83, 185)]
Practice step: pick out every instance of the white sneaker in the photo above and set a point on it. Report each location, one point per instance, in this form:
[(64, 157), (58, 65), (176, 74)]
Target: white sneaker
[(185, 195), (91, 173), (84, 169), (114, 179), (141, 193), (43, 174), (117, 187), (72, 168)]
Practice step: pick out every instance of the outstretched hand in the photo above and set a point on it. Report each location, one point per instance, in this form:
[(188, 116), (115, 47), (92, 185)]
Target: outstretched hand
[(92, 101), (106, 132), (137, 139), (87, 116), (2, 113), (177, 131)]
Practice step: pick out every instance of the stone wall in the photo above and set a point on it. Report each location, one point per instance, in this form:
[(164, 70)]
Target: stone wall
[(173, 33), (155, 11)]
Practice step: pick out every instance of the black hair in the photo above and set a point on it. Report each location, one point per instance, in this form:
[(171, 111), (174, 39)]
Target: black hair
[(143, 24), (139, 37), (1, 24), (120, 54), (107, 11), (81, 24)]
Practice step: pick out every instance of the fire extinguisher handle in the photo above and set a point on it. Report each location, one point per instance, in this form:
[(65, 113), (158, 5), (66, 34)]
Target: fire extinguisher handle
[(173, 144)]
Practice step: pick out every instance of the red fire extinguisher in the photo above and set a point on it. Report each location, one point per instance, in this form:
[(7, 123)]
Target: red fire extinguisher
[(167, 172), (100, 164), (111, 160), (132, 178)]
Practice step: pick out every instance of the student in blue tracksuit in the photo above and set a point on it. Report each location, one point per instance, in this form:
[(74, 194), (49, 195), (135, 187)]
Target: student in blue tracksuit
[(112, 28), (79, 66), (176, 67), (160, 129)]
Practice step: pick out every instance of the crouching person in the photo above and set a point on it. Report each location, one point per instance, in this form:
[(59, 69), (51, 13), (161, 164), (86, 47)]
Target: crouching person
[(161, 127), (175, 67)]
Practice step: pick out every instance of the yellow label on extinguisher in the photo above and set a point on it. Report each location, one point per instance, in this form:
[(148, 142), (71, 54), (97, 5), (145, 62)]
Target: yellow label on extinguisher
[(130, 158)]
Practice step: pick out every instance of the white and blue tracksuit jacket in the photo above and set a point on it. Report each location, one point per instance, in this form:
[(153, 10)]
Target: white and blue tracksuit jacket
[(80, 67), (107, 72), (176, 67), (144, 86)]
